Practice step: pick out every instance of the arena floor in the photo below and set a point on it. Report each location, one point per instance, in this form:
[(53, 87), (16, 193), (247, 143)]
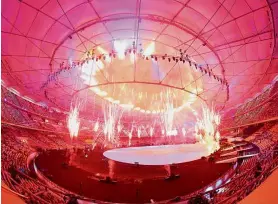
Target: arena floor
[(158, 155), (135, 184)]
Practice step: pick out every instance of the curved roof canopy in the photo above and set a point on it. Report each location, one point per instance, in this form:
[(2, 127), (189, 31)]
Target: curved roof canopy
[(157, 44)]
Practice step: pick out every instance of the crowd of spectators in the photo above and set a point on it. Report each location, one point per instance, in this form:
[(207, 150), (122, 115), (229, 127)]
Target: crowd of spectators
[(16, 150), (262, 107), (15, 170)]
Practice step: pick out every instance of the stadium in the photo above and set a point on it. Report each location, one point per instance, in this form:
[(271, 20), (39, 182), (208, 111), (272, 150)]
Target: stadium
[(139, 101)]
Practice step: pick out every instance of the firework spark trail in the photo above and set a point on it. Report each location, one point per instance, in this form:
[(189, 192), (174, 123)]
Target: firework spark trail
[(112, 113), (88, 75), (73, 122), (139, 132), (168, 115), (207, 129), (119, 127), (109, 121), (130, 135), (98, 139), (93, 146), (183, 132), (151, 131), (96, 126)]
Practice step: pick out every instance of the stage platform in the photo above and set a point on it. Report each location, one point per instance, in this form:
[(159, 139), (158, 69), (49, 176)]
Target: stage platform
[(158, 155)]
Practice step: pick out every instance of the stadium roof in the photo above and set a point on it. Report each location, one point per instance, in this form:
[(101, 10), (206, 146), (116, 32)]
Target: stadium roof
[(233, 40)]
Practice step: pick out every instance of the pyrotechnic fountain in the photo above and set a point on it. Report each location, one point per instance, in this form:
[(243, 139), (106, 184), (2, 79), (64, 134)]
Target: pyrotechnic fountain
[(138, 132), (183, 132), (119, 127), (151, 131), (96, 126), (207, 129), (130, 135), (73, 122), (112, 114), (167, 117)]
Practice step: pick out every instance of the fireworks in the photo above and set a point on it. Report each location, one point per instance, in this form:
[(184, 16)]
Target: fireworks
[(163, 105), (151, 131), (168, 116), (120, 48), (96, 126), (119, 127), (130, 135), (109, 121), (73, 122), (207, 129), (138, 132), (112, 114), (183, 131)]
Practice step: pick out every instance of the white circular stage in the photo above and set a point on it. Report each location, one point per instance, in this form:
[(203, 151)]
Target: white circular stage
[(158, 155)]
